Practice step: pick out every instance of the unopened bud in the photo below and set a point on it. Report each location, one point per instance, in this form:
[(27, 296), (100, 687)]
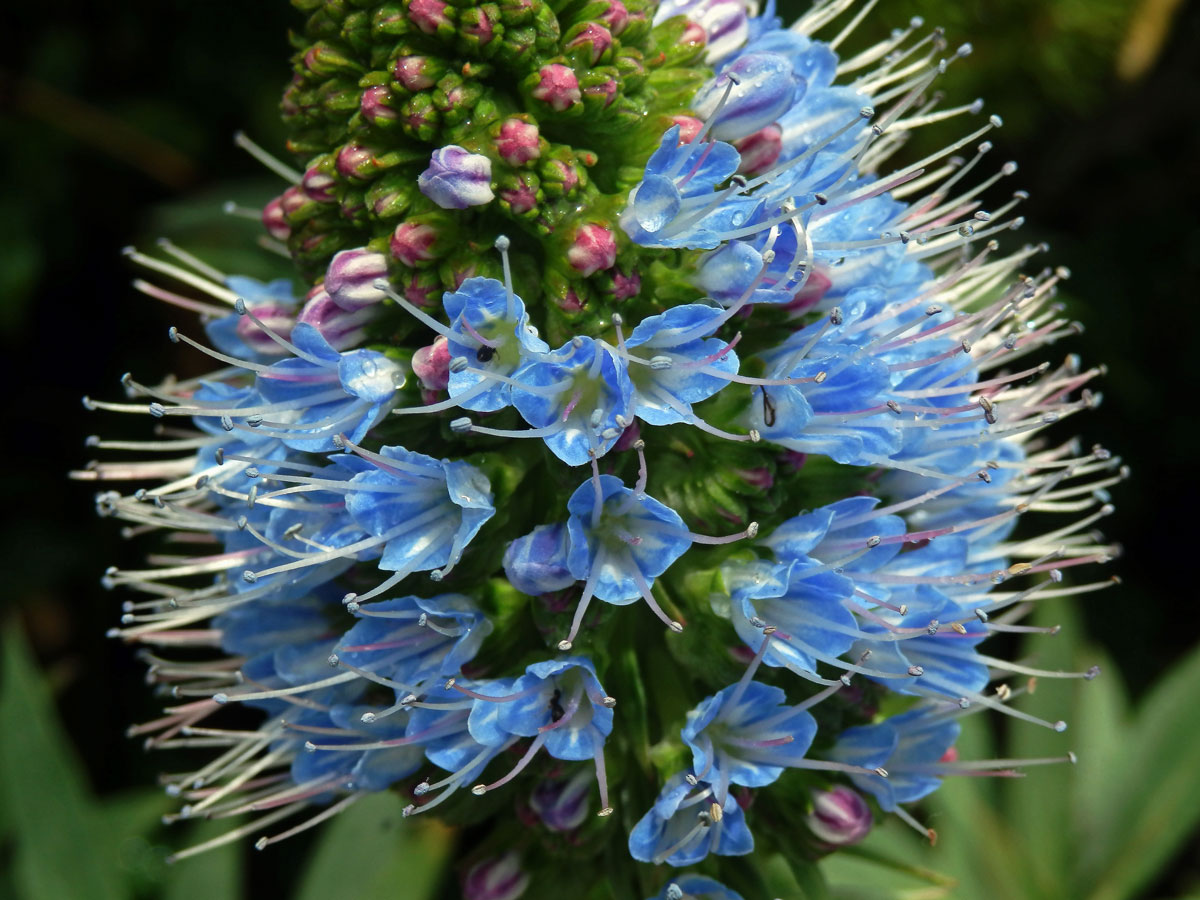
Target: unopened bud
[(556, 86), (351, 276), (839, 817), (593, 249), (342, 328), (457, 179), (497, 878)]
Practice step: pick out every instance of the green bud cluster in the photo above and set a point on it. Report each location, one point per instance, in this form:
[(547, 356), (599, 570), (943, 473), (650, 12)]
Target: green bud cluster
[(567, 99)]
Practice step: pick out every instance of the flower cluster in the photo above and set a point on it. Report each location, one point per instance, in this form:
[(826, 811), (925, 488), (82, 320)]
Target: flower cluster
[(782, 398)]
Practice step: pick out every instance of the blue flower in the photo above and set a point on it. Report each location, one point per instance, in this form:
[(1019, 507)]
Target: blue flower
[(560, 703), (679, 363), (751, 92), (685, 824), (578, 398), (425, 511), (537, 562), (491, 334), (747, 735)]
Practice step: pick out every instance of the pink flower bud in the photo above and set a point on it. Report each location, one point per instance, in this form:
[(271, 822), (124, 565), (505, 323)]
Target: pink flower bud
[(351, 276), (557, 87), (759, 150), (626, 286), (517, 142), (428, 14), (357, 162), (376, 105), (319, 186), (689, 127), (413, 243), (520, 200), (593, 37), (275, 221), (840, 817), (342, 328), (606, 89), (616, 17), (593, 249), (292, 201), (476, 24), (431, 365), (810, 295), (413, 72)]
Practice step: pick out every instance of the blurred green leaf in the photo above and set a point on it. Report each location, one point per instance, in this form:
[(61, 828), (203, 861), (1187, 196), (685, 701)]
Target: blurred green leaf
[(216, 875), (62, 847), (370, 852), (1152, 786)]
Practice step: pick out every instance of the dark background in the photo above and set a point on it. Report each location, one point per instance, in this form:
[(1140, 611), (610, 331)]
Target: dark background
[(116, 127)]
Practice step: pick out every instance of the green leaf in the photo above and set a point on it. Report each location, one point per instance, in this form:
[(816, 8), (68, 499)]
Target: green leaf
[(211, 875), (1038, 804), (62, 850), (1153, 785), (370, 852)]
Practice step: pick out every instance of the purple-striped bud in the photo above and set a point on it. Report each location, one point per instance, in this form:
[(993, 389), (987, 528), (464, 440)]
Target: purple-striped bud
[(431, 365), (351, 276), (839, 817), (517, 142), (593, 249), (357, 162), (378, 105), (563, 805), (279, 317), (457, 179), (275, 221), (342, 328), (557, 87), (764, 87), (591, 37), (319, 185), (497, 878), (760, 150), (428, 15)]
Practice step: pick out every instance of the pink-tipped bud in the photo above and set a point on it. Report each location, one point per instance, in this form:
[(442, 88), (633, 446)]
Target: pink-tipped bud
[(689, 127), (497, 878), (517, 142), (275, 221), (342, 328), (593, 250), (475, 24), (605, 91), (413, 243), (592, 37), (815, 288), (519, 200), (351, 276), (626, 286), (616, 17), (760, 150), (378, 105), (319, 186), (357, 162), (839, 817), (431, 365), (557, 87), (276, 316), (428, 15), (415, 72)]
